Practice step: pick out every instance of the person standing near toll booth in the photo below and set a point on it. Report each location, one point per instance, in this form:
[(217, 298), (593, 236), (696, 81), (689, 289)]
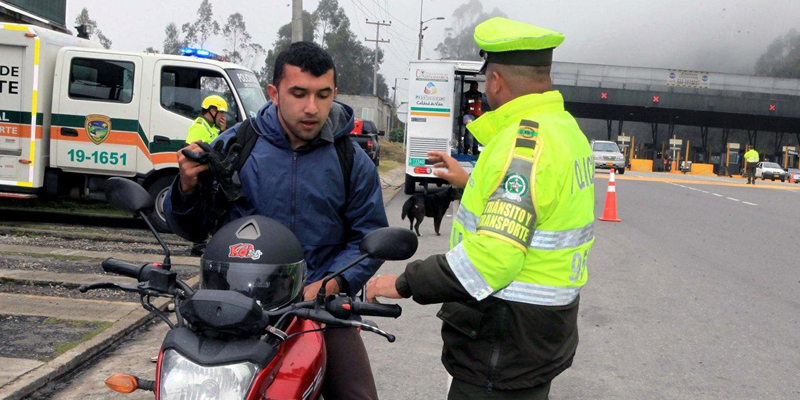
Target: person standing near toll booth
[(752, 160), (522, 237)]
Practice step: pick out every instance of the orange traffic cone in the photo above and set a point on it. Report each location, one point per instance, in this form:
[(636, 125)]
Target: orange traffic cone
[(610, 211)]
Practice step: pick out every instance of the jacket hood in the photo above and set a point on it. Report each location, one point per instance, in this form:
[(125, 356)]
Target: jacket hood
[(339, 123)]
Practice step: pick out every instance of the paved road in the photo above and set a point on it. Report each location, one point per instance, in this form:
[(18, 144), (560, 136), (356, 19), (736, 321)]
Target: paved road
[(692, 296)]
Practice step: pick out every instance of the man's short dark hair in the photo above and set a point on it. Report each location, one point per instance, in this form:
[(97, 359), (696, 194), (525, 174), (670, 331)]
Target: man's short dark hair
[(307, 56)]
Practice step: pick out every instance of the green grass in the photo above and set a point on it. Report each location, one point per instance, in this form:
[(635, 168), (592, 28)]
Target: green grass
[(83, 207), (52, 256), (388, 165), (391, 151), (55, 228), (62, 348)]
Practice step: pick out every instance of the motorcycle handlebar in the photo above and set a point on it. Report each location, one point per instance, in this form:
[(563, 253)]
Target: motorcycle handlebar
[(376, 310), (123, 268)]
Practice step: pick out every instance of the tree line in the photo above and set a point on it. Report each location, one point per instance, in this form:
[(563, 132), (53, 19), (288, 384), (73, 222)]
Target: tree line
[(328, 26)]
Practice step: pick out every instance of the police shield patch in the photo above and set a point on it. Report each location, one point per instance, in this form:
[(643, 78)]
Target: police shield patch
[(98, 127), (515, 187)]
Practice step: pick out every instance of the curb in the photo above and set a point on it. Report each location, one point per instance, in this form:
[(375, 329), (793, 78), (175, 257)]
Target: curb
[(74, 358), (90, 236), (395, 191), (95, 255)]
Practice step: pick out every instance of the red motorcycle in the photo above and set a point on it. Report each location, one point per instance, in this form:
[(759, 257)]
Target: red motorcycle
[(223, 343)]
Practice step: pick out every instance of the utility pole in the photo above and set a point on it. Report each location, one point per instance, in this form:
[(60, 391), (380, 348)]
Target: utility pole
[(394, 101), (297, 20), (422, 28), (377, 41), (419, 48)]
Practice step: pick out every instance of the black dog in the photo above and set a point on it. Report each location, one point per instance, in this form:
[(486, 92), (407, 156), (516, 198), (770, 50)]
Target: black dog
[(435, 206)]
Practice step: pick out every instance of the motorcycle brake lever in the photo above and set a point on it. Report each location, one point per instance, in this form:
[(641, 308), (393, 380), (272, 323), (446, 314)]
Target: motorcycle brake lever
[(391, 338)]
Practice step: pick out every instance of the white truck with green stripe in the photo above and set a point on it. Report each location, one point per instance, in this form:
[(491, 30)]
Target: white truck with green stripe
[(73, 114), (434, 110)]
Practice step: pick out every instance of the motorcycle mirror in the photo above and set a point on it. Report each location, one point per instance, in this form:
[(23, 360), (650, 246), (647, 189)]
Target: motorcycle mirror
[(126, 195), (390, 244)]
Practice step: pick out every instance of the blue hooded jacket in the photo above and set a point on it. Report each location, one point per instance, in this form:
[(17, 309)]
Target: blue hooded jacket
[(304, 190)]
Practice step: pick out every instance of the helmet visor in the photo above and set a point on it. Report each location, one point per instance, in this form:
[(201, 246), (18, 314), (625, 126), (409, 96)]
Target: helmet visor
[(272, 285)]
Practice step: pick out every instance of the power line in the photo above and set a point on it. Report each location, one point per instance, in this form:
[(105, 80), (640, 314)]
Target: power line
[(397, 19), (359, 6)]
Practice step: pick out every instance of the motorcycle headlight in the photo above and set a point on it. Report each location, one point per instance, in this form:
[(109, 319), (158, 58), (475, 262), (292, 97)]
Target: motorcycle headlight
[(183, 379)]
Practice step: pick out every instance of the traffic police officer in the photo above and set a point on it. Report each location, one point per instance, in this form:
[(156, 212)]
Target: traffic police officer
[(208, 125), (522, 237), (752, 160)]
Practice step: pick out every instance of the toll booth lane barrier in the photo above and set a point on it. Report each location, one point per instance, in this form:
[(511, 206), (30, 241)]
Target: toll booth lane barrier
[(641, 165), (697, 169)]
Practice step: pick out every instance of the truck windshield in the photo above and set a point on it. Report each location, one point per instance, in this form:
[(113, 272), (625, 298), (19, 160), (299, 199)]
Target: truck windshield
[(250, 91)]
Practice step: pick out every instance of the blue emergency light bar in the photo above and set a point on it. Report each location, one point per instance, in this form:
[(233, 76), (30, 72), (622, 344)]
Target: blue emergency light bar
[(199, 53)]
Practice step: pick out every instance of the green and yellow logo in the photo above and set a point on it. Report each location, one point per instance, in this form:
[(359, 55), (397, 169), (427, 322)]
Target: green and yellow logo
[(528, 128), (98, 127), (515, 186)]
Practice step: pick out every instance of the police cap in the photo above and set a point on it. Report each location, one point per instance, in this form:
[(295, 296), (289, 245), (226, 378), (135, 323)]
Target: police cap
[(509, 42)]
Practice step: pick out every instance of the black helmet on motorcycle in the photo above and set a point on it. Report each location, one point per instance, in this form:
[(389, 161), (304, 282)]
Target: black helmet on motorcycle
[(258, 257)]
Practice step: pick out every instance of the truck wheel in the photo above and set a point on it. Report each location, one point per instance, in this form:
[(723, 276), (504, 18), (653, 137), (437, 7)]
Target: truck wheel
[(783, 179), (377, 159), (620, 171), (158, 191), (410, 186)]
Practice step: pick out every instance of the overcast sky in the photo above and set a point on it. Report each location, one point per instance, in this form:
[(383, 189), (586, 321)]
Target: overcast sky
[(709, 35)]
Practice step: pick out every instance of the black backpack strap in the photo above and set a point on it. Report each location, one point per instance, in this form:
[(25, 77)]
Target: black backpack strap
[(247, 137), (346, 153)]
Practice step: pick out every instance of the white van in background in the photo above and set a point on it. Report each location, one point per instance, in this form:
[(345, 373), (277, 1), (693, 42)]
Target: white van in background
[(73, 114), (434, 106)]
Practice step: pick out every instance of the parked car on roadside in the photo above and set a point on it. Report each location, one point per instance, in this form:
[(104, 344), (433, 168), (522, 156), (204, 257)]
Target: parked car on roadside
[(771, 170), (608, 156), (365, 133)]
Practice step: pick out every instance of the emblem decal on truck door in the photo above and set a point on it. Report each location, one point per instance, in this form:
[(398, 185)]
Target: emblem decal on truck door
[(98, 127)]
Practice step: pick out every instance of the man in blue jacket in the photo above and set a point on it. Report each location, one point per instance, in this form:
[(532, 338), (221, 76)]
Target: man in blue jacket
[(293, 175)]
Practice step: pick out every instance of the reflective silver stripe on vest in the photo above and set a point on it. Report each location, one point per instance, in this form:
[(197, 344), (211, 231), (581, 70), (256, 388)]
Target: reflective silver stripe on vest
[(531, 293), (467, 219), (467, 274), (556, 240), (542, 240)]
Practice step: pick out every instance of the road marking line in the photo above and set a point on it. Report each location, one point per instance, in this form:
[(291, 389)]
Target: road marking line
[(748, 203), (731, 198), (718, 195), (705, 191)]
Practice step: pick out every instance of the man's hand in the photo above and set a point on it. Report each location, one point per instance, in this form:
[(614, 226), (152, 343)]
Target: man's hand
[(455, 174), (222, 122), (190, 170), (382, 286), (311, 290)]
